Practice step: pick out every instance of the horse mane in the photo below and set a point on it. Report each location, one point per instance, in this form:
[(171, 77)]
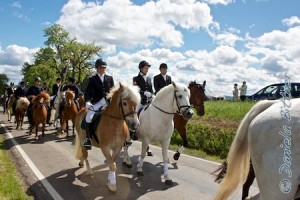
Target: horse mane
[(162, 92), (21, 101), (44, 95), (129, 91)]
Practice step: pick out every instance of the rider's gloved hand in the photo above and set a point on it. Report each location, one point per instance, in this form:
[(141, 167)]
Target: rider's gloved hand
[(88, 105), (147, 94)]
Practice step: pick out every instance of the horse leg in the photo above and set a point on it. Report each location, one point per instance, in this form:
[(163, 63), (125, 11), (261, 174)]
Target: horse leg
[(126, 158), (43, 129), (36, 131), (112, 182), (248, 183), (165, 146), (142, 157), (182, 133), (67, 128)]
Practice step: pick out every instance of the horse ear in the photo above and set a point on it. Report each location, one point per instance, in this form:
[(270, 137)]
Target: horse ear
[(204, 84), (121, 86), (173, 84)]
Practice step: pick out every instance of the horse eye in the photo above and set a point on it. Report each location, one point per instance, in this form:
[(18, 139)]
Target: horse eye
[(179, 96), (124, 103)]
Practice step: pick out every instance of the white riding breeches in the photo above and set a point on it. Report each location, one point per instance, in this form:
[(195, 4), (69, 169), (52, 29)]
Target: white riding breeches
[(92, 110)]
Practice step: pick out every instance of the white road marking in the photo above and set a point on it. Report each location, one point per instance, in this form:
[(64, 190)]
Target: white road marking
[(54, 194)]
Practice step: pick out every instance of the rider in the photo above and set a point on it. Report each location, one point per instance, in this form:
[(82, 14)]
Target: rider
[(33, 91), (55, 88), (21, 91), (70, 86), (9, 91), (145, 85), (161, 80), (98, 87)]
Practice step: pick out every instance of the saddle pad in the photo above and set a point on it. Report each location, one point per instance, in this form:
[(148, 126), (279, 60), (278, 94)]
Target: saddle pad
[(95, 121)]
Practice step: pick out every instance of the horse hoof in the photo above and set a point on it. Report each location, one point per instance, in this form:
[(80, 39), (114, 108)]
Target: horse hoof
[(149, 153), (169, 182), (111, 187), (140, 173), (127, 165), (176, 156)]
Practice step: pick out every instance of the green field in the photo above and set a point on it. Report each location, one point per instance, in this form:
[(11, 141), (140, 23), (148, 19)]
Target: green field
[(211, 135)]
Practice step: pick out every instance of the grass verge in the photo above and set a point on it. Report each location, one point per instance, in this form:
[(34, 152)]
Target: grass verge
[(11, 186)]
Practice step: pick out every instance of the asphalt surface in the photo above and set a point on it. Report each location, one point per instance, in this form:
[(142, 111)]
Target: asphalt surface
[(50, 170)]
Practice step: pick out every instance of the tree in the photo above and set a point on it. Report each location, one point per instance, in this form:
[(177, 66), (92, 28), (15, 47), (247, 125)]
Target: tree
[(3, 82), (62, 51)]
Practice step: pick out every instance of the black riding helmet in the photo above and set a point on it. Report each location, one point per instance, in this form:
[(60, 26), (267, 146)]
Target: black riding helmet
[(143, 63), (100, 63), (163, 66)]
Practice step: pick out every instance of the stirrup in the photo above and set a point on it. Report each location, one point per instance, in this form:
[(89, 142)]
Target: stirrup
[(88, 143)]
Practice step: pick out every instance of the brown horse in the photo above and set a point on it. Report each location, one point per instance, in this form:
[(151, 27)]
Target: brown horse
[(69, 113), (197, 101), (112, 130), (39, 112), (81, 102), (21, 108)]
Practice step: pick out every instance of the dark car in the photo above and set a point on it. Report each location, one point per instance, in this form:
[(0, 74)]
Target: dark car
[(272, 92)]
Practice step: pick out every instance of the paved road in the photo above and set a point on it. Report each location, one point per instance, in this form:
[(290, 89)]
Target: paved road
[(51, 171)]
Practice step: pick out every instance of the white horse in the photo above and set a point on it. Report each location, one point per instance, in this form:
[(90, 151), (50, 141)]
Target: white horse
[(269, 134), (57, 101), (157, 122)]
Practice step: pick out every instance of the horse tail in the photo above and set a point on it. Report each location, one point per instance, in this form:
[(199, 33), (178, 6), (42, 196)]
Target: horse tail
[(238, 158), (78, 148)]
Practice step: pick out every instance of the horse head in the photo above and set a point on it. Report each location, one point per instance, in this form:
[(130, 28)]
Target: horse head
[(125, 100), (41, 99), (22, 104), (182, 97), (197, 96), (70, 95)]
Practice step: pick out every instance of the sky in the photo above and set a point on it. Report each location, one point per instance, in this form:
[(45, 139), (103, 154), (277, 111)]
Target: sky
[(221, 41)]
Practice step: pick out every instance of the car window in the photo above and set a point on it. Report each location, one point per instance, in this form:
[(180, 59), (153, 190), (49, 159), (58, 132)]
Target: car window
[(270, 90)]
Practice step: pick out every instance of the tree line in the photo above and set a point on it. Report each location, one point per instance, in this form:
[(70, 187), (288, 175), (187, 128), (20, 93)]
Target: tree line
[(62, 57)]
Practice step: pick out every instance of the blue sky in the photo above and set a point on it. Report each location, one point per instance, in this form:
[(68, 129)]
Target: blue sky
[(220, 41)]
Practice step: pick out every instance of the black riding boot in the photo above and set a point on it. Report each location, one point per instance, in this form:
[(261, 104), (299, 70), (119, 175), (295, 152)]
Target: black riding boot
[(30, 116), (88, 140), (48, 114)]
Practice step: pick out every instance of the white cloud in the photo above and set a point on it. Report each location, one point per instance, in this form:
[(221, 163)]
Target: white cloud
[(128, 25), (16, 4), (224, 2), (294, 20)]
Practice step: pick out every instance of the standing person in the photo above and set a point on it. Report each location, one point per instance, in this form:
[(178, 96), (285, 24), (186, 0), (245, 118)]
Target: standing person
[(161, 80), (33, 91), (145, 85), (98, 87), (235, 93), (243, 92), (21, 91)]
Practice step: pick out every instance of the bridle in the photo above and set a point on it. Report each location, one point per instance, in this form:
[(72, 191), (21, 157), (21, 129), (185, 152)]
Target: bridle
[(123, 113), (193, 97), (177, 104)]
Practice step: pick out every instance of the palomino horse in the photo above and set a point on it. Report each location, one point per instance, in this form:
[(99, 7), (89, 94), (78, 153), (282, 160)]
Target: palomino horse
[(69, 113), (39, 111), (269, 135), (197, 101), (9, 107), (157, 121), (81, 102), (21, 108), (112, 130)]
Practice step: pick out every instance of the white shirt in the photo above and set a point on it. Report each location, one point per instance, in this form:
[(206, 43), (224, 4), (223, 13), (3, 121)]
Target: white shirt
[(101, 77)]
